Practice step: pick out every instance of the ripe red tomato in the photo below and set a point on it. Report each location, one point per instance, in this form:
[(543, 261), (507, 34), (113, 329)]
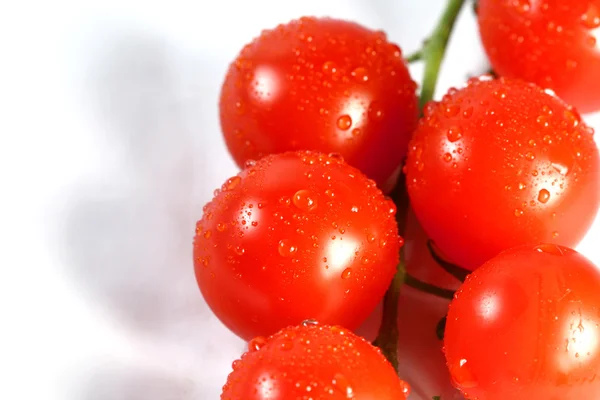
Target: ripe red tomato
[(553, 43), (498, 164), (526, 326), (321, 84), (297, 235), (313, 362)]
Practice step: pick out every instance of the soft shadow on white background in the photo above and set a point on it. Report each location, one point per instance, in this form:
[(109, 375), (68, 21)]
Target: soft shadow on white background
[(110, 148)]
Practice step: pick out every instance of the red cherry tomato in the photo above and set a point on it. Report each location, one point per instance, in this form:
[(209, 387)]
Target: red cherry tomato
[(526, 326), (298, 235), (321, 84), (498, 164), (554, 43), (313, 362)]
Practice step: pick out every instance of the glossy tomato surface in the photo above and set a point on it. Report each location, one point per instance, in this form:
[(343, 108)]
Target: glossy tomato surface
[(526, 326), (295, 236), (313, 362), (554, 43), (321, 84), (500, 163)]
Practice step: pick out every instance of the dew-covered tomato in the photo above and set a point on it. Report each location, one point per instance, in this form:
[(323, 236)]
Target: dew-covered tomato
[(526, 326), (554, 43), (313, 362), (321, 84), (295, 236), (501, 163)]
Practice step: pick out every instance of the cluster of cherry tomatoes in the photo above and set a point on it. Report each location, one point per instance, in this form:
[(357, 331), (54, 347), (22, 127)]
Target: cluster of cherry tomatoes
[(296, 251)]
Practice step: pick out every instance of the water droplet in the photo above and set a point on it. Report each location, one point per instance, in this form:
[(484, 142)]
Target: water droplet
[(221, 227), (461, 375), (365, 260), (231, 183), (286, 249), (560, 168), (354, 209), (522, 6), (447, 157), (405, 388), (543, 196), (342, 385), (550, 249), (547, 139), (518, 212), (239, 250), (346, 273), (207, 234), (532, 143), (375, 111), (330, 193), (257, 343), (310, 322), (249, 163), (454, 134), (356, 132), (305, 200), (530, 156), (591, 18), (344, 122), (467, 112), (284, 200), (572, 118), (543, 121), (329, 67), (555, 234), (286, 345), (451, 110), (360, 74)]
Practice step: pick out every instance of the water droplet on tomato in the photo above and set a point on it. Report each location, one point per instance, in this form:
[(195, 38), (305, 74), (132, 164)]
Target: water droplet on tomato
[(451, 110), (354, 209), (543, 196), (286, 345), (550, 249), (518, 212), (467, 112), (310, 322), (360, 74), (560, 168), (591, 18), (249, 163), (543, 121), (461, 374), (286, 249), (207, 234), (284, 200), (221, 226), (547, 139), (257, 343), (555, 234), (346, 273), (447, 157), (405, 388), (305, 200), (342, 385), (365, 260), (356, 132), (454, 134), (239, 250), (530, 156), (375, 111), (344, 122), (522, 6), (231, 183), (329, 67)]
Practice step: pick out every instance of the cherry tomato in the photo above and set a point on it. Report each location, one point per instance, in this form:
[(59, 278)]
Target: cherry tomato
[(526, 325), (295, 236), (498, 164), (313, 362), (321, 84), (553, 43)]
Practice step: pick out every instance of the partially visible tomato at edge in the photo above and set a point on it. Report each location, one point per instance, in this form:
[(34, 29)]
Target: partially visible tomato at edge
[(501, 163), (553, 43), (296, 236), (526, 326), (313, 362), (325, 85)]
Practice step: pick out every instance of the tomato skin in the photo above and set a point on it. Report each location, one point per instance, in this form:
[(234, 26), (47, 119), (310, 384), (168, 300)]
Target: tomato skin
[(526, 326), (553, 43), (313, 362), (321, 84), (296, 236), (500, 163)]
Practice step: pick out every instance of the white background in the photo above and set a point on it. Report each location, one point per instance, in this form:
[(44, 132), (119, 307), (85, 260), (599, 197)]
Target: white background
[(110, 146)]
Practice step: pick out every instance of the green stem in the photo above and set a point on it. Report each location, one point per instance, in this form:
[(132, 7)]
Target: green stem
[(435, 49), (432, 54), (416, 56)]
